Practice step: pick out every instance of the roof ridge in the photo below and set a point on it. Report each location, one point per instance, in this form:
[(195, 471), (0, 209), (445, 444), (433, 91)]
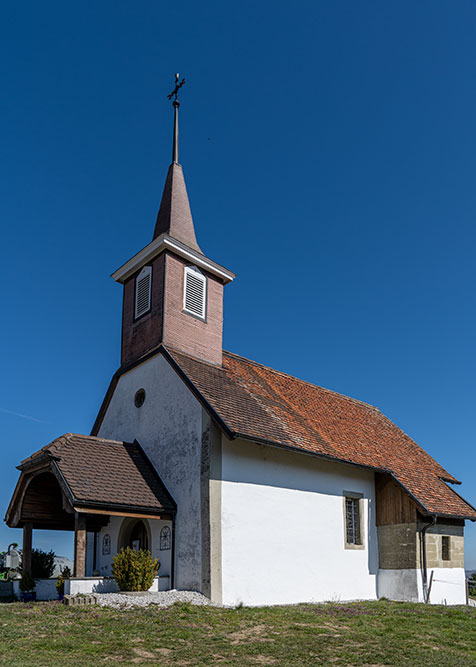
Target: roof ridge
[(310, 384), (92, 437)]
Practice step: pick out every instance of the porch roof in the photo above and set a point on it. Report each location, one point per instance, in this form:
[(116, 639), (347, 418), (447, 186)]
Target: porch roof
[(96, 476)]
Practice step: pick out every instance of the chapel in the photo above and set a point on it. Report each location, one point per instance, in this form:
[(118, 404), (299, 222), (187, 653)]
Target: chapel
[(249, 485)]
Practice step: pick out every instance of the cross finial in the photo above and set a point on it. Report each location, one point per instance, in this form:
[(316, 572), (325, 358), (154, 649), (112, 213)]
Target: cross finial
[(176, 104), (176, 89)]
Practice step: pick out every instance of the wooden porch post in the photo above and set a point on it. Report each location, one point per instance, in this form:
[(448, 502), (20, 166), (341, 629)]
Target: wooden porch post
[(79, 545), (27, 542)]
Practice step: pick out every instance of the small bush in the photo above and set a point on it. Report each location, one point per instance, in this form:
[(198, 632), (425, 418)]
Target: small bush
[(472, 585), (42, 564), (27, 583), (65, 574), (134, 570)]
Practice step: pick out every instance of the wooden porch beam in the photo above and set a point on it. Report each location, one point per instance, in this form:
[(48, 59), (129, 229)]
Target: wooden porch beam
[(79, 545), (124, 513)]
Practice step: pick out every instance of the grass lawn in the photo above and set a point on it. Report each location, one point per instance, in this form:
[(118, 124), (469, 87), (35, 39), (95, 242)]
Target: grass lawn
[(361, 633)]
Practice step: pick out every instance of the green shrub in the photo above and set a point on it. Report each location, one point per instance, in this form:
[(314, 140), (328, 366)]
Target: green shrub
[(42, 564), (65, 574), (27, 583), (134, 570), (472, 585)]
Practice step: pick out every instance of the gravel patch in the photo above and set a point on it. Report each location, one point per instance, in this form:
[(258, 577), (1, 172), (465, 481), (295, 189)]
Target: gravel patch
[(162, 599)]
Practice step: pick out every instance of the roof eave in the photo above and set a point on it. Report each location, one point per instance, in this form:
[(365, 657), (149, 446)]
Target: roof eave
[(166, 242)]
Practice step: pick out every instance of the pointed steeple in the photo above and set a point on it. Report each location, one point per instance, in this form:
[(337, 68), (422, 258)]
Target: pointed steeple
[(175, 217)]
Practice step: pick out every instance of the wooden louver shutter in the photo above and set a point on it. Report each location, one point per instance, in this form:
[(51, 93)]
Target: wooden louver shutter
[(143, 284), (194, 292)]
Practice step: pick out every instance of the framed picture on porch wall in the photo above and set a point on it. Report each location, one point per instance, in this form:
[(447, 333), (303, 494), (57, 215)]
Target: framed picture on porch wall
[(135, 545)]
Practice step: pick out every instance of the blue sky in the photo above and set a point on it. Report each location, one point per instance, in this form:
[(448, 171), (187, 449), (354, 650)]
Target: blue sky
[(329, 150)]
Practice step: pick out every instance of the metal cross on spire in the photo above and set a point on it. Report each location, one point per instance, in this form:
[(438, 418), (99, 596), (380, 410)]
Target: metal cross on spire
[(176, 89), (176, 104)]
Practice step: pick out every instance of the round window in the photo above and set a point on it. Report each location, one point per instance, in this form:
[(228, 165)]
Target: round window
[(139, 398)]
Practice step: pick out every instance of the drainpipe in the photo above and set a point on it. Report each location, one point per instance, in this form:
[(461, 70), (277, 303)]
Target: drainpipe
[(426, 592)]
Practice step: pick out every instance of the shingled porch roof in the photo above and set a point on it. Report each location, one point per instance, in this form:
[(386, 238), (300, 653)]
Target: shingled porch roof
[(96, 475), (259, 403)]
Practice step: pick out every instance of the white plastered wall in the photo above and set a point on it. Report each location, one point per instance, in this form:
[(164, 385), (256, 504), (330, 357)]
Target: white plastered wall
[(169, 428), (113, 529), (448, 585), (283, 528)]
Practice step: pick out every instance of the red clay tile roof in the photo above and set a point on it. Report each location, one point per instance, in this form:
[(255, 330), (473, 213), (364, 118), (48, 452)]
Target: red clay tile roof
[(107, 472), (260, 403)]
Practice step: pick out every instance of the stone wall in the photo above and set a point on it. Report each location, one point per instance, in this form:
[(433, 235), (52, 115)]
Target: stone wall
[(397, 546), (400, 546), (434, 541)]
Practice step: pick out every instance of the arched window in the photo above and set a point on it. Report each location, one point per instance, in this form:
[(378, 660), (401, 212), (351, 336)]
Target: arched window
[(143, 285), (165, 538), (194, 292)]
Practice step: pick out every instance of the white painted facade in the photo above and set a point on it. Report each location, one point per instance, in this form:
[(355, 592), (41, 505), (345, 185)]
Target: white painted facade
[(168, 427), (283, 534)]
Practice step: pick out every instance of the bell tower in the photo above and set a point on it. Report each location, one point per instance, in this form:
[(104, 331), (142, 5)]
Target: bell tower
[(173, 293)]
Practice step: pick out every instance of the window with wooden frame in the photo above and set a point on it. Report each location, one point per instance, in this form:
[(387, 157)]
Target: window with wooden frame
[(445, 547), (142, 294), (353, 520), (194, 292)]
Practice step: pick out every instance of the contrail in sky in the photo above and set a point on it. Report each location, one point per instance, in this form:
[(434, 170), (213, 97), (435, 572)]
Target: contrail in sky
[(18, 414)]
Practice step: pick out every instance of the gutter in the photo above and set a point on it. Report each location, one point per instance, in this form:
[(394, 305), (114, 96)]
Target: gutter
[(426, 588)]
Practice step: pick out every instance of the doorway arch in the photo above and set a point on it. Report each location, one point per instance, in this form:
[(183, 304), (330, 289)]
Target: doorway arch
[(134, 533)]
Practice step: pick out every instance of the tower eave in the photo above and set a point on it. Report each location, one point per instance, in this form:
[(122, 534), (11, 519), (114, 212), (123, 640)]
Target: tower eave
[(167, 242)]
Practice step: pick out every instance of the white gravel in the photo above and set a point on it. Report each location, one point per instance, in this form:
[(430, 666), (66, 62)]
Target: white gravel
[(163, 599)]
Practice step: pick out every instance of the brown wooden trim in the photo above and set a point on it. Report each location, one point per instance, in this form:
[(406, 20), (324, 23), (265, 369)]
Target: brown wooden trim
[(135, 515)]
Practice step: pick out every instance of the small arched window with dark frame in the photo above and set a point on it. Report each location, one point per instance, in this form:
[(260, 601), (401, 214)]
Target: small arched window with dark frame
[(165, 534)]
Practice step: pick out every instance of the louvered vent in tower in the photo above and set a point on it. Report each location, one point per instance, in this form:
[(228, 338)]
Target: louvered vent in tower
[(143, 284), (195, 290)]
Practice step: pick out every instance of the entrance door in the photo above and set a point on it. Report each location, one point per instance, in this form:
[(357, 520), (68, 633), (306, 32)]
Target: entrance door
[(138, 539)]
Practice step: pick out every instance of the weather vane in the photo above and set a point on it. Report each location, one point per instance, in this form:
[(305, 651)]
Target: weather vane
[(176, 89)]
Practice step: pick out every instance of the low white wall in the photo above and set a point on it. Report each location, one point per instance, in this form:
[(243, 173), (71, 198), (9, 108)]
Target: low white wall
[(283, 536), (448, 585), (45, 589), (86, 585)]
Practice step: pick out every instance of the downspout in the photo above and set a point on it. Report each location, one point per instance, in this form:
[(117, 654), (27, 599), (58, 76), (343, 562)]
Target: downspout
[(426, 592)]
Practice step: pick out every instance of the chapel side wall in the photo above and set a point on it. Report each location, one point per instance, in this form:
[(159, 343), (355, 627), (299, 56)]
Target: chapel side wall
[(282, 528), (169, 428)]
